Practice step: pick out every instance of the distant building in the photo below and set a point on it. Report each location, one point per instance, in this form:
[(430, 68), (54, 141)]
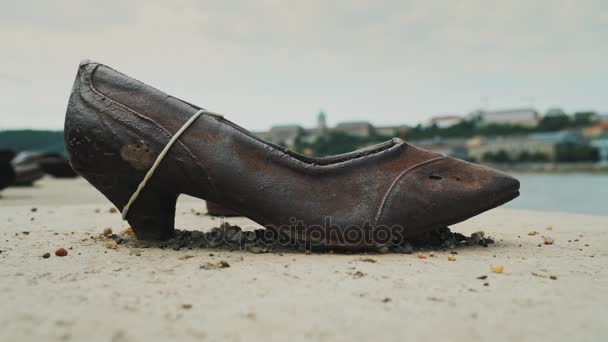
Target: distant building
[(454, 147), (391, 131), (356, 128), (285, 135), (322, 122), (595, 130), (445, 121), (527, 117), (545, 143)]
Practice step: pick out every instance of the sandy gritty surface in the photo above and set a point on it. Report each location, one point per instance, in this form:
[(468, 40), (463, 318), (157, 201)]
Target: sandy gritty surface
[(101, 294)]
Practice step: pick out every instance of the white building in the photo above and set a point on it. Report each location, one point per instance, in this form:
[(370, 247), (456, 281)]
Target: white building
[(445, 121), (527, 117)]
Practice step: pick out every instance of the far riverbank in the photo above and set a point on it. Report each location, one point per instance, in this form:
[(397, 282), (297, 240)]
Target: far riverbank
[(552, 167)]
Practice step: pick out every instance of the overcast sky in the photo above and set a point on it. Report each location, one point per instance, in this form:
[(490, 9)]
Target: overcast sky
[(279, 62)]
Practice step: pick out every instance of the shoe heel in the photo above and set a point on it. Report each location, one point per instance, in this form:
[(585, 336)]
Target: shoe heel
[(152, 215)]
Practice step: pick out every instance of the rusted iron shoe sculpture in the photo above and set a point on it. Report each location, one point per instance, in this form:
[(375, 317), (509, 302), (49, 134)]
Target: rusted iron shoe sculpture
[(214, 209), (116, 127)]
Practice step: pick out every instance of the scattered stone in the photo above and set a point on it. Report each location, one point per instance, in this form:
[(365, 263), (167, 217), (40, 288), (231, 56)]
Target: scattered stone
[(112, 210), (127, 231), (187, 306), (477, 236), (486, 284), (386, 300), (451, 258), (497, 268), (61, 252), (25, 233), (383, 250), (34, 210), (549, 228), (258, 250), (358, 274), (407, 248), (482, 277), (230, 237), (97, 211), (215, 265), (107, 231), (186, 257), (110, 244), (421, 255), (553, 277), (373, 261), (532, 233), (46, 255), (548, 240)]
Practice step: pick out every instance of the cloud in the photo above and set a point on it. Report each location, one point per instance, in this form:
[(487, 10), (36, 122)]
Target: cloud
[(267, 62)]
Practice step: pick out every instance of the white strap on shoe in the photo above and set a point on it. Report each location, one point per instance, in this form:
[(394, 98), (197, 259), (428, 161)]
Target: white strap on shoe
[(160, 157)]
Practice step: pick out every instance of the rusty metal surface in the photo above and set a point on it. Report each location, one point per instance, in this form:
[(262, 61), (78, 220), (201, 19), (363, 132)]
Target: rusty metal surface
[(394, 184)]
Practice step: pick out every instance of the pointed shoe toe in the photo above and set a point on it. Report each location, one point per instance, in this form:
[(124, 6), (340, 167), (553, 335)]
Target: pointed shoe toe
[(444, 192)]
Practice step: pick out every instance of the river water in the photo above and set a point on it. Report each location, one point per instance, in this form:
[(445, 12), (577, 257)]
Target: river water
[(576, 193)]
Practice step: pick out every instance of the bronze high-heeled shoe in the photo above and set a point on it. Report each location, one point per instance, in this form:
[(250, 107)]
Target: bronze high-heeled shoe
[(116, 127)]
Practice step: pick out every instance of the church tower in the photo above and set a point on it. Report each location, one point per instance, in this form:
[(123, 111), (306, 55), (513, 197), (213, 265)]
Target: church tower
[(322, 122)]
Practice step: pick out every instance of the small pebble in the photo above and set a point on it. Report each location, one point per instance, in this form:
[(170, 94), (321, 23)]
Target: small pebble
[(358, 274), (497, 268), (46, 255), (107, 231), (111, 244), (128, 231), (61, 252), (383, 250)]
